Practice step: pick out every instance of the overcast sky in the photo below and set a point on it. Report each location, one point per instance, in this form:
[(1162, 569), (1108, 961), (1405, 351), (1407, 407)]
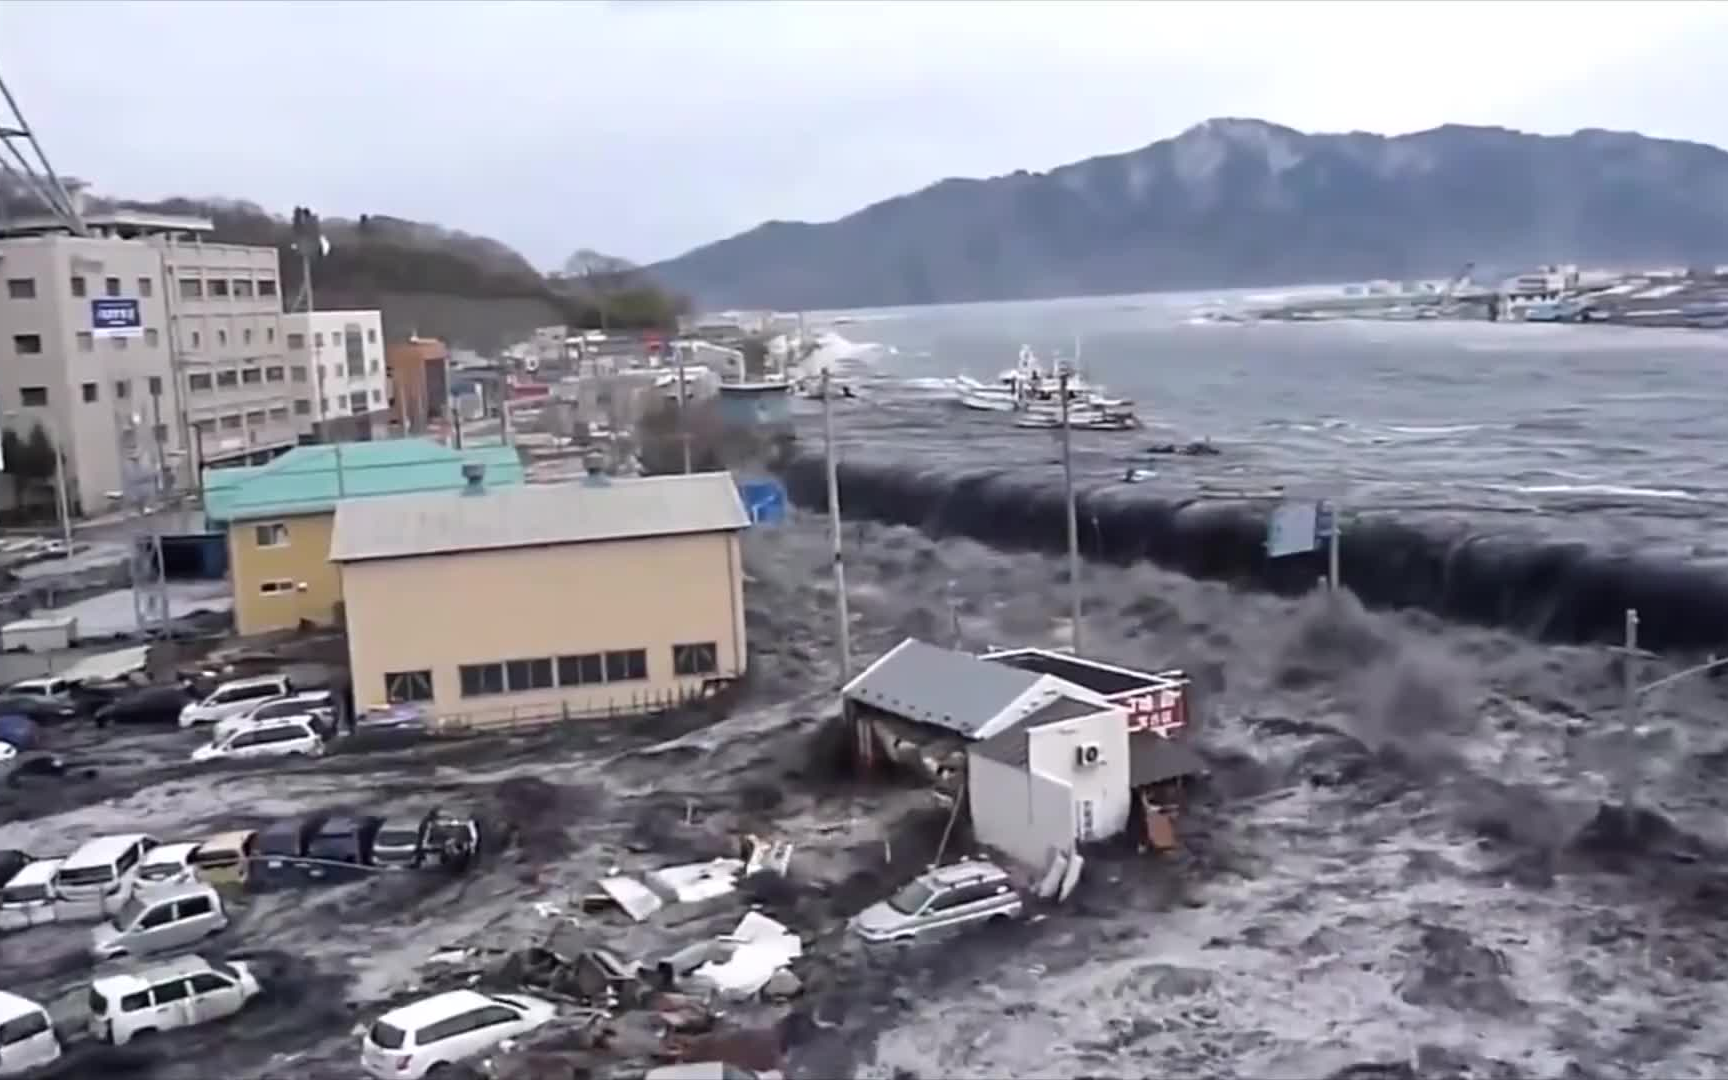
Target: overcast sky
[(646, 127)]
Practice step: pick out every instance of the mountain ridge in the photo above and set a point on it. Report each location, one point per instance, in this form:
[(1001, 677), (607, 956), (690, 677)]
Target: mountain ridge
[(1236, 201)]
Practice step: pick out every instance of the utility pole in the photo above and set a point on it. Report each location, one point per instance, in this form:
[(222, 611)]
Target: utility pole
[(834, 525), (64, 504), (683, 423), (1073, 515), (1332, 557), (1629, 704)]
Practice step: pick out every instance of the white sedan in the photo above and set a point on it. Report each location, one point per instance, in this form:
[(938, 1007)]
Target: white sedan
[(293, 737), (410, 1042)]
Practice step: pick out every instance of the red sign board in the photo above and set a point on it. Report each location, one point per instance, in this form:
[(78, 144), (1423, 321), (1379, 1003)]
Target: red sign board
[(1162, 712)]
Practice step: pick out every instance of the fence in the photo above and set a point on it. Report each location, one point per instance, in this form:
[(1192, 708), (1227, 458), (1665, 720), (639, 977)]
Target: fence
[(509, 719)]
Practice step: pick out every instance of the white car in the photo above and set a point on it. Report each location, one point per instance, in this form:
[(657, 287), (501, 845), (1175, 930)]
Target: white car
[(295, 736), (27, 1039), (167, 863), (408, 1043), (176, 993), (234, 698), (314, 704), (47, 687)]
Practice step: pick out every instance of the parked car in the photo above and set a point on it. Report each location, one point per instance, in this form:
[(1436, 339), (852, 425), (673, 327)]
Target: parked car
[(27, 1038), (943, 899), (226, 858), (315, 705), (101, 872), (281, 850), (8, 760), (49, 686), (167, 863), (289, 737), (151, 705), (408, 1043), (177, 993), (233, 698), (342, 840), (13, 860), (43, 710), (27, 897), (158, 919), (452, 840)]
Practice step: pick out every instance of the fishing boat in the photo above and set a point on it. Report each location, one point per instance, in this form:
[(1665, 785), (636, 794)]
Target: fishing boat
[(1027, 385)]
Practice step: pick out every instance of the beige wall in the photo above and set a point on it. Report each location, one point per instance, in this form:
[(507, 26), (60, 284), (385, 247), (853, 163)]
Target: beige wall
[(304, 558), (439, 612)]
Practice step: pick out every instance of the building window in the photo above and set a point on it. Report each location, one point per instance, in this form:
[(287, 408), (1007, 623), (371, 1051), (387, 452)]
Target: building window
[(357, 401), (33, 397), (374, 367), (151, 337), (377, 397), (21, 288), (196, 341), (356, 352), (219, 287), (524, 675), (146, 287), (269, 335), (275, 534), (120, 344), (584, 670), (79, 288), (122, 389), (255, 418), (251, 376), (228, 378), (276, 588), (296, 341), (221, 339), (205, 427), (279, 414), (86, 341), (246, 336), (89, 391), (371, 335), (697, 658), (111, 286), (318, 341), (242, 288), (27, 344), (198, 383), (480, 680), (299, 373), (324, 404), (155, 385), (625, 665), (404, 686), (266, 287), (231, 422), (302, 407), (191, 289), (273, 374), (160, 432)]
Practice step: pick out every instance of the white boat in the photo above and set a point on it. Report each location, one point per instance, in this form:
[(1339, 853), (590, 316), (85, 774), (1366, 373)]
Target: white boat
[(1027, 384)]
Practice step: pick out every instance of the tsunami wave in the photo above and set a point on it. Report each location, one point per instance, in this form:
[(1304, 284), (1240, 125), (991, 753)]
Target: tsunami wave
[(1551, 591)]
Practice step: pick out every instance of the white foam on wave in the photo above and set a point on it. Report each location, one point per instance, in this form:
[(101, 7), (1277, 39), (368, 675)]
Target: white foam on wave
[(1609, 490), (1434, 429)]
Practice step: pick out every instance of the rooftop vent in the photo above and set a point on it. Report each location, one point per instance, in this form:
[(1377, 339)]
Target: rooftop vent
[(475, 473)]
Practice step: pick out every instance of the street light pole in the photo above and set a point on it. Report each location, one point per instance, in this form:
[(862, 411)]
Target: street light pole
[(1073, 515), (841, 614)]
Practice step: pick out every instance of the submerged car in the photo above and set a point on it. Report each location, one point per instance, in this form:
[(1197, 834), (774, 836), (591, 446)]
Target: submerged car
[(437, 1032), (342, 847), (158, 919), (151, 705), (437, 838), (939, 900), (294, 736)]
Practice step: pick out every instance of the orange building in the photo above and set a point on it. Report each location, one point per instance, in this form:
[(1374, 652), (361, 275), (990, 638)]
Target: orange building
[(419, 371)]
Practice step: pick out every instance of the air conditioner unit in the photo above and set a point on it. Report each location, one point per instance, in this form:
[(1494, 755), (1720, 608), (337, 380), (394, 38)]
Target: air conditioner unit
[(1088, 755)]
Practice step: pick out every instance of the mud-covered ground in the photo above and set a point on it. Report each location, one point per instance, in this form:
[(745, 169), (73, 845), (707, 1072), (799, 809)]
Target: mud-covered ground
[(1401, 859)]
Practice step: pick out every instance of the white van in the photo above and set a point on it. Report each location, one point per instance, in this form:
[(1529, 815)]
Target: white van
[(160, 918), (27, 1039), (167, 863), (96, 879), (447, 1028), (177, 993), (235, 697), (28, 898)]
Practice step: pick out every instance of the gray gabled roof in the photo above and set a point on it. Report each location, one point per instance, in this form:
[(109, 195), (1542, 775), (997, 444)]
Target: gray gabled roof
[(940, 687), (1011, 747), (535, 515)]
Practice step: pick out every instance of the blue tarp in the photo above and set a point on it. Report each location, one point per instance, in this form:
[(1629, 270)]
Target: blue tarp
[(764, 500)]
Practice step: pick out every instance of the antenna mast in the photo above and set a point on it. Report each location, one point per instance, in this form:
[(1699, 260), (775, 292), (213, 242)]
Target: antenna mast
[(36, 178)]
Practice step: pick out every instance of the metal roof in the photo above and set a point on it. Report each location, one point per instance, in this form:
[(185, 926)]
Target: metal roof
[(1095, 675), (313, 479), (1011, 747), (1153, 760), (536, 515), (940, 687)]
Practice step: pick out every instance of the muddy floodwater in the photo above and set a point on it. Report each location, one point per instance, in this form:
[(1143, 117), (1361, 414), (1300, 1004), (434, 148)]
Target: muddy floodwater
[(1402, 861)]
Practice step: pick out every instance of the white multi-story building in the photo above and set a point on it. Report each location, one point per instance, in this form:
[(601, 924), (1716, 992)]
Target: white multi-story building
[(141, 349), (344, 351)]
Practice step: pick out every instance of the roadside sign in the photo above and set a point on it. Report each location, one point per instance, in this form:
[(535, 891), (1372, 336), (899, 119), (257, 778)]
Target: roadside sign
[(1294, 528)]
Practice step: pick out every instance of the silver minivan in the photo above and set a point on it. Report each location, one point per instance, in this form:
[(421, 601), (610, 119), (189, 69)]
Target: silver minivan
[(158, 919), (942, 899)]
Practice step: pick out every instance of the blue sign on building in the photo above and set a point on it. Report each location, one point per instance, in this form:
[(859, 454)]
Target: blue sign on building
[(764, 500), (114, 317)]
